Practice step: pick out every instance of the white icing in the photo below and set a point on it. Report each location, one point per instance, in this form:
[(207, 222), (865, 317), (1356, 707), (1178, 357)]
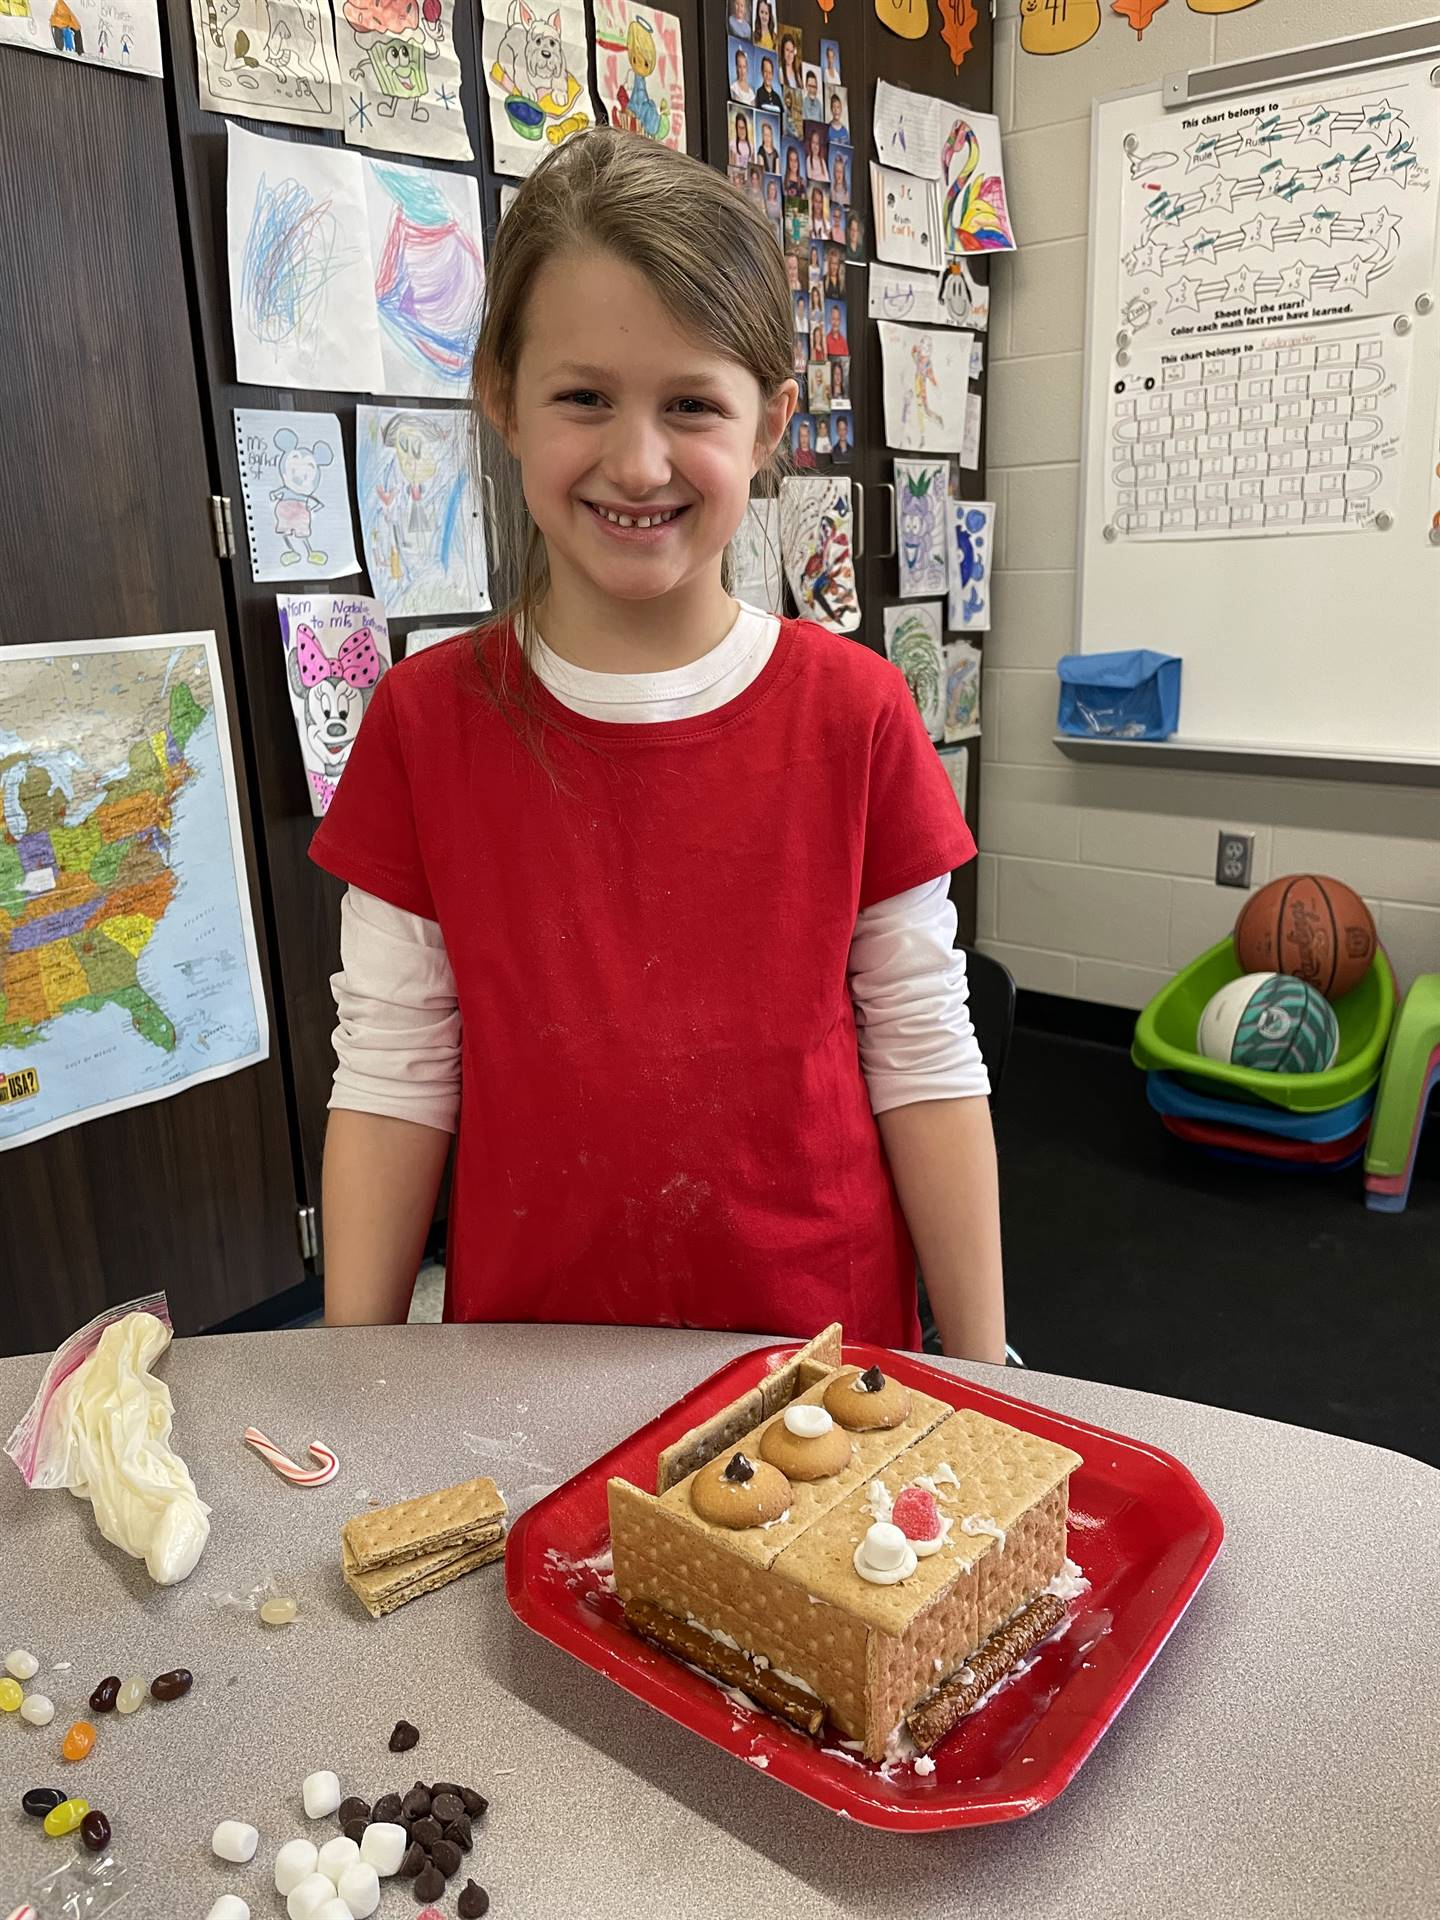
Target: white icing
[(924, 1548), (885, 1557), (1069, 1583), (882, 1503), (943, 1476), (977, 1523), (924, 1764), (778, 1521), (807, 1422)]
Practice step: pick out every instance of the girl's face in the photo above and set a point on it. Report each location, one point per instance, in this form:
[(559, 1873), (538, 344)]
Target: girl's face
[(618, 414)]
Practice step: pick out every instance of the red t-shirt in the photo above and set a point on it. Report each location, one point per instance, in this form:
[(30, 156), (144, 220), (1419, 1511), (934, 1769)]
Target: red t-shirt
[(663, 1119)]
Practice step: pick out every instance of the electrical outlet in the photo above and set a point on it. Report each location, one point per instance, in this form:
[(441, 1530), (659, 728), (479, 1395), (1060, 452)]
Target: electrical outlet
[(1232, 859)]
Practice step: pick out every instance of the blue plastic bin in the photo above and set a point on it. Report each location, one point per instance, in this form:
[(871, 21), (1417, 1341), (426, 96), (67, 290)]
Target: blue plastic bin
[(1119, 696)]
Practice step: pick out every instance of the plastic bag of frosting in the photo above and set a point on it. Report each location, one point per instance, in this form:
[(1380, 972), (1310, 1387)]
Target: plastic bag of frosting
[(100, 1425)]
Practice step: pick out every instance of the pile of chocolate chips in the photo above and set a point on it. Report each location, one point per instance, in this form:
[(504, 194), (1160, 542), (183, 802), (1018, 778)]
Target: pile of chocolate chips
[(437, 1820)]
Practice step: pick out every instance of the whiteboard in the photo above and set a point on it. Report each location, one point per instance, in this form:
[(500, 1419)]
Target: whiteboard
[(1259, 452)]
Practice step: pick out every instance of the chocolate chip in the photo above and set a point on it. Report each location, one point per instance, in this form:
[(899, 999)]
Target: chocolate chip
[(475, 1803), (447, 1807), (354, 1830), (416, 1860), (353, 1808), (416, 1804), (443, 1786), (387, 1808), (458, 1832), (474, 1902), (447, 1856), (429, 1885), (404, 1737), (871, 1381), (739, 1470), (426, 1832)]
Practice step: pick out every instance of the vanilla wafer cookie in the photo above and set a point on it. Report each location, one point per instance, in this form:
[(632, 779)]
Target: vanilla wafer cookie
[(453, 1516)]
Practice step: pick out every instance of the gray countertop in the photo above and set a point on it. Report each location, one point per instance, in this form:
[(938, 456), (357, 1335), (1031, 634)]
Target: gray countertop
[(1279, 1761)]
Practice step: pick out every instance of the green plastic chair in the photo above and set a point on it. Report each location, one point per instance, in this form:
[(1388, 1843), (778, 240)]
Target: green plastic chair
[(1412, 1068), (1165, 1037)]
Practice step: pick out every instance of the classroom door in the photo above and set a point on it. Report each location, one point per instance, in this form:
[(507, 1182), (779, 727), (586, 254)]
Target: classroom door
[(107, 532)]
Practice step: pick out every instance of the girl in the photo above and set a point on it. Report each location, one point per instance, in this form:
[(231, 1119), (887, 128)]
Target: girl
[(794, 180), (764, 24), (817, 166), (789, 62), (741, 152), (769, 154), (649, 890)]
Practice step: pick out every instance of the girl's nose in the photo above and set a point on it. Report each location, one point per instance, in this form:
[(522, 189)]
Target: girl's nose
[(637, 458)]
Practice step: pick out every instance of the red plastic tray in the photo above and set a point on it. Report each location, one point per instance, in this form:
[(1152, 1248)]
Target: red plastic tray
[(1141, 1528)]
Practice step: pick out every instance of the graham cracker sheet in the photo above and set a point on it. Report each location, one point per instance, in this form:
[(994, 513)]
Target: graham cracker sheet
[(779, 1388), (450, 1517), (811, 1499), (388, 1588), (690, 1574), (701, 1444)]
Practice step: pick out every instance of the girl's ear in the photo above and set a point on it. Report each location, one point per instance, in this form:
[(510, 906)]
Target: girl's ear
[(775, 422)]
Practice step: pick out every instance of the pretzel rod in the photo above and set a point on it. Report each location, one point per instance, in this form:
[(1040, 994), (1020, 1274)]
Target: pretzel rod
[(287, 1468), (724, 1663), (933, 1718)]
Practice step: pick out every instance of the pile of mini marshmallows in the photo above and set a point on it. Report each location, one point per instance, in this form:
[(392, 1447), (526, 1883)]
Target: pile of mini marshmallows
[(339, 1881)]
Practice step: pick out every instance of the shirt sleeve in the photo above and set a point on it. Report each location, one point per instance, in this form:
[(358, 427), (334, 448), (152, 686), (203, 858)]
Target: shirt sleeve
[(914, 829), (368, 837), (912, 1011), (397, 1044)]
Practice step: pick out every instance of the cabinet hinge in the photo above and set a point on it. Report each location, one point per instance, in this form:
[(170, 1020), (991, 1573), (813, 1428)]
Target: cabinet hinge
[(307, 1232), (223, 524)]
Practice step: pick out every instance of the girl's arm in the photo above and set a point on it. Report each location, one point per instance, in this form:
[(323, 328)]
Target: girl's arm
[(381, 1179), (393, 1110), (942, 1154)]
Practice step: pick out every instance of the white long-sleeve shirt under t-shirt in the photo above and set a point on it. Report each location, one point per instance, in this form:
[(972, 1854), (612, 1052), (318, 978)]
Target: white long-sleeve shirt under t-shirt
[(398, 1039)]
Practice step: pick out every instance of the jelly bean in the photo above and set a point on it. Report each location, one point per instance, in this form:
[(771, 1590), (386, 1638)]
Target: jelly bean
[(23, 1665), (40, 1800), (95, 1830), (132, 1692), (66, 1817), (78, 1741), (279, 1613), (11, 1694), (172, 1685), (37, 1709), (106, 1694)]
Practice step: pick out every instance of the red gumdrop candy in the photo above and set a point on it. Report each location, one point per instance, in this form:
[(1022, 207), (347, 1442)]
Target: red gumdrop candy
[(916, 1514)]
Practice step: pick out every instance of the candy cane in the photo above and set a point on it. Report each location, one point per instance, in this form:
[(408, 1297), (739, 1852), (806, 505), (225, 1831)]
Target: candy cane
[(287, 1468)]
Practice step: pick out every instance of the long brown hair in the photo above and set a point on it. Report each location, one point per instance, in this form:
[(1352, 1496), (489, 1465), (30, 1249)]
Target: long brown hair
[(711, 257)]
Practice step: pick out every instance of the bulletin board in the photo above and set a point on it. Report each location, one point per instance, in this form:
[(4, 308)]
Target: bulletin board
[(1259, 488)]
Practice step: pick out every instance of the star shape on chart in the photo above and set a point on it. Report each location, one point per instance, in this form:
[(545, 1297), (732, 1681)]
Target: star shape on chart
[(1183, 293), (1203, 243), (1355, 273), (1342, 178), (1296, 279), (1259, 232), (1219, 192), (1316, 126), (1381, 116), (1377, 225), (1241, 286), (1320, 226), (1200, 152), (1143, 259)]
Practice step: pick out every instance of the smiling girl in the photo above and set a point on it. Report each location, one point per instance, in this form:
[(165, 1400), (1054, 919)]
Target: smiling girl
[(648, 890)]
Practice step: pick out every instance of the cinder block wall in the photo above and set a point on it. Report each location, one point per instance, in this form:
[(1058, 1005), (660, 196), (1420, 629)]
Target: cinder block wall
[(1097, 883)]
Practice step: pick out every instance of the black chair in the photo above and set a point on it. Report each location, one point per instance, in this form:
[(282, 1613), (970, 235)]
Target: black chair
[(992, 1014)]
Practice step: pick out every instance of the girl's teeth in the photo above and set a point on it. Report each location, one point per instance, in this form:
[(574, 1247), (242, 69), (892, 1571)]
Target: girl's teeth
[(629, 520)]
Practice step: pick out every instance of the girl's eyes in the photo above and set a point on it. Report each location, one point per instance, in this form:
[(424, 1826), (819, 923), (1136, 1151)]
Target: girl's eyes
[(692, 407)]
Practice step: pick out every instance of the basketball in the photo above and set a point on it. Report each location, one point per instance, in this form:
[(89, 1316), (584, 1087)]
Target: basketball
[(1317, 930), (1271, 1022)]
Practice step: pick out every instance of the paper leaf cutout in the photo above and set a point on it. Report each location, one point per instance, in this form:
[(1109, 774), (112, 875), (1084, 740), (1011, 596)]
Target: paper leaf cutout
[(957, 27), (1058, 26), (827, 7), (908, 18), (1138, 12)]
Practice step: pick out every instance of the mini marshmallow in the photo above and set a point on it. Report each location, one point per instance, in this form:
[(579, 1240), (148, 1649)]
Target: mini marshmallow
[(229, 1907), (807, 1422), (306, 1900), (321, 1793), (333, 1909), (235, 1840), (293, 1863), (885, 1546), (383, 1846), (335, 1856), (359, 1888)]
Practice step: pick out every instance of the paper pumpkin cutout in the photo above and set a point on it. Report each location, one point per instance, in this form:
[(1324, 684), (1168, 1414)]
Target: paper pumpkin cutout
[(957, 27), (1220, 6), (1057, 26), (909, 18), (1138, 12)]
